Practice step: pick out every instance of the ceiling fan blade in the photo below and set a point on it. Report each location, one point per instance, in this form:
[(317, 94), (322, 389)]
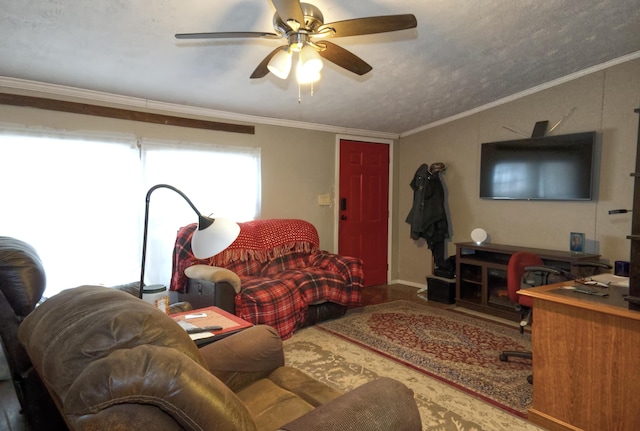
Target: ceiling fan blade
[(371, 25), (289, 10), (343, 58), (227, 35), (261, 71)]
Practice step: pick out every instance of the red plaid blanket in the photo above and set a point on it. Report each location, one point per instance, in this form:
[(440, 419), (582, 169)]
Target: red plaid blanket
[(258, 243), (281, 275)]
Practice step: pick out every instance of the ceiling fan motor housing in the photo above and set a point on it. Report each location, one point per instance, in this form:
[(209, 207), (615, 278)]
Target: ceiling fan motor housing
[(312, 20), (312, 17)]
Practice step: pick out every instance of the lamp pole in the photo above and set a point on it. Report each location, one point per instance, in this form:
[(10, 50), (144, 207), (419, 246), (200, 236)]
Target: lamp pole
[(203, 223)]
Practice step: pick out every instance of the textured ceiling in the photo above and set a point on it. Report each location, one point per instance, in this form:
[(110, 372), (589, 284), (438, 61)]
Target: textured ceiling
[(463, 54)]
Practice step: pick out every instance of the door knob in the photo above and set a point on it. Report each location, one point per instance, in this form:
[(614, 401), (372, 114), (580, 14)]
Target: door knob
[(343, 217)]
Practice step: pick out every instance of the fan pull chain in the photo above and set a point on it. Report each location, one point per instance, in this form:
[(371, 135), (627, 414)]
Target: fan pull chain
[(300, 92)]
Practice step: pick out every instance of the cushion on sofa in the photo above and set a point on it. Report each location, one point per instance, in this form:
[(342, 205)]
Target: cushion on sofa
[(282, 301)]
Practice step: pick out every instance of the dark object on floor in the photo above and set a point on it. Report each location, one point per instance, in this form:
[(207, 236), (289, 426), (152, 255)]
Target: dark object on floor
[(113, 362), (22, 283), (447, 269), (441, 290)]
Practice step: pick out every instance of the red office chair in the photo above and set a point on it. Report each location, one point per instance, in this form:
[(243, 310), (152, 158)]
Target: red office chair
[(528, 270), (537, 274)]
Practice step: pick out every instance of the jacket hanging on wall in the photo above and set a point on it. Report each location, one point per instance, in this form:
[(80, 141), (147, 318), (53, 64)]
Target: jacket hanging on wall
[(427, 217)]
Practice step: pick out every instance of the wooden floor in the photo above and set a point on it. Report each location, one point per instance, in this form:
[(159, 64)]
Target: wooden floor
[(12, 420)]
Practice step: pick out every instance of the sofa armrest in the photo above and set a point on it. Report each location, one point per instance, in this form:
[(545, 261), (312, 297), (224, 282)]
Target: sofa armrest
[(214, 274), (381, 405), (245, 357)]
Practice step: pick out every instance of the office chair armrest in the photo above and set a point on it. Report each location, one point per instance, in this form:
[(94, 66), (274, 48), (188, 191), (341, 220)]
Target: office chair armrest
[(541, 275), (549, 269), (593, 264)]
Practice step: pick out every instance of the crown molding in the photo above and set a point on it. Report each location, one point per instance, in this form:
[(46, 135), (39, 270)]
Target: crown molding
[(93, 97)]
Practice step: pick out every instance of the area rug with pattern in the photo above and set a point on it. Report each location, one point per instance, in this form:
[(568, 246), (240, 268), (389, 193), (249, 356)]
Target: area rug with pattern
[(345, 365), (460, 350)]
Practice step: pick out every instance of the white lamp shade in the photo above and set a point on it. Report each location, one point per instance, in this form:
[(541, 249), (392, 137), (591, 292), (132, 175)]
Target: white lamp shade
[(280, 64), (310, 59), (215, 238)]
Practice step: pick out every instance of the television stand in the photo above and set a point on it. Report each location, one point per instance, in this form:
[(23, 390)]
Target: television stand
[(481, 275)]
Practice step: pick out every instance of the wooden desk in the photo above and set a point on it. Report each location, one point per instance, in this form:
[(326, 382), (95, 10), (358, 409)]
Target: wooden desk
[(586, 360)]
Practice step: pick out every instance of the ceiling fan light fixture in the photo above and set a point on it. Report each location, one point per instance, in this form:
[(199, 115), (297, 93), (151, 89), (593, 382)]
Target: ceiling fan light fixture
[(310, 60), (306, 76), (280, 64)]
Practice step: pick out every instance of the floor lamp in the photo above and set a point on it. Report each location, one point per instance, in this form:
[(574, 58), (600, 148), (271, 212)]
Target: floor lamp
[(211, 237)]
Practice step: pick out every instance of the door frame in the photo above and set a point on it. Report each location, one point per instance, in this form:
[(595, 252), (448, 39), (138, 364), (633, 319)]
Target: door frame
[(336, 208)]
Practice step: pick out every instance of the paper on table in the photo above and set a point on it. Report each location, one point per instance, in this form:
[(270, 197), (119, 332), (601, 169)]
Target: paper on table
[(186, 326), (210, 316), (611, 279)]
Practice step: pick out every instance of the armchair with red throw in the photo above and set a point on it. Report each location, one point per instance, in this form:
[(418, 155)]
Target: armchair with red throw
[(274, 273)]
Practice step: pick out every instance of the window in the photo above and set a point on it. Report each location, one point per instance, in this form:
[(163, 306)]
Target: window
[(220, 181), (79, 200)]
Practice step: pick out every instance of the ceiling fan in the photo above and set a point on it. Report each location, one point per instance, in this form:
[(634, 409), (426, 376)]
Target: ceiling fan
[(302, 25)]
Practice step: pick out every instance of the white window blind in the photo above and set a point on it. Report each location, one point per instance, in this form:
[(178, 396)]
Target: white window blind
[(78, 199), (74, 199), (220, 181)]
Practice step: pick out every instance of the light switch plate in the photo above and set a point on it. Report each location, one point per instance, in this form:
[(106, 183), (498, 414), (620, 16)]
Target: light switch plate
[(324, 200)]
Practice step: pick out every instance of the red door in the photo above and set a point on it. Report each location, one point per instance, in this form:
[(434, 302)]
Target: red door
[(364, 203)]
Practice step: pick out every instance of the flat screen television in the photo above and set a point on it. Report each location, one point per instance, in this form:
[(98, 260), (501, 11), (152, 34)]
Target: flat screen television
[(557, 168)]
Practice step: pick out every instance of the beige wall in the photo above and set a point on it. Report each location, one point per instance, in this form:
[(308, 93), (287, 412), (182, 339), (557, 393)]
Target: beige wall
[(604, 101), (298, 165)]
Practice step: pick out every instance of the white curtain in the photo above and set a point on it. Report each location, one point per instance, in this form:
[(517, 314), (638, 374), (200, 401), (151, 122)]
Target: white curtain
[(74, 198), (220, 181), (78, 199)]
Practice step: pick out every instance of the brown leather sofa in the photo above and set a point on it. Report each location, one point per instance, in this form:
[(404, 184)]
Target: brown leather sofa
[(111, 361)]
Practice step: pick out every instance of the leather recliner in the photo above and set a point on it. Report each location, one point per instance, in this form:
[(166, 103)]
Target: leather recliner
[(111, 361), (22, 283)]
